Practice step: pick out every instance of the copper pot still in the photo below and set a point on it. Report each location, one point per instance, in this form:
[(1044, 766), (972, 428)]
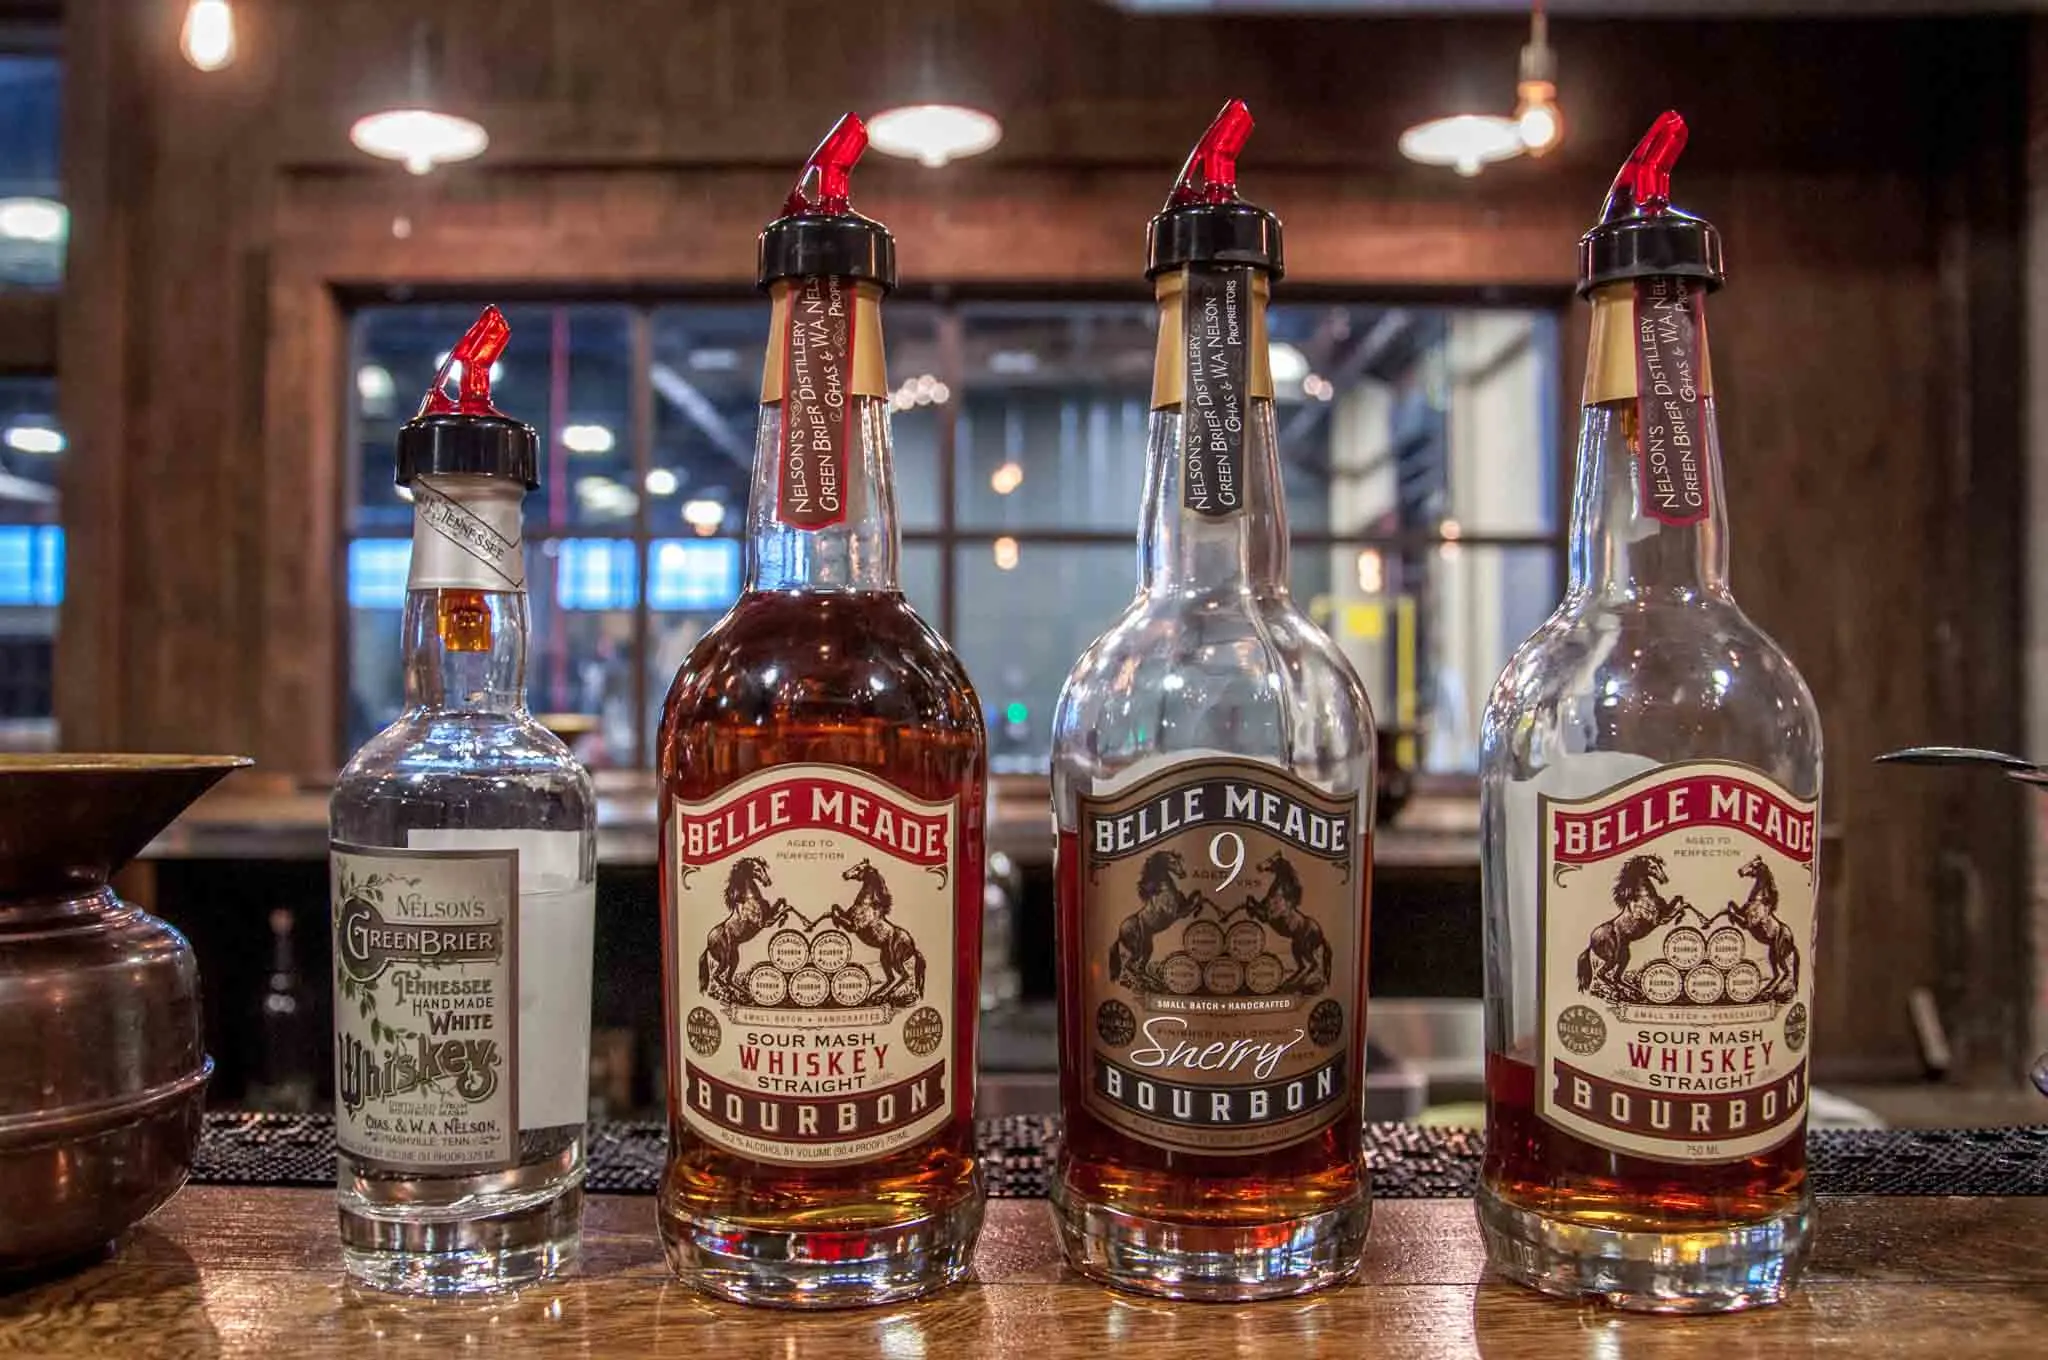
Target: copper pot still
[(102, 1069)]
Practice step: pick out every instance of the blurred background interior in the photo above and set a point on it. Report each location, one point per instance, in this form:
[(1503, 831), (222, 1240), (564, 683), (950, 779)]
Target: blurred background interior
[(215, 308)]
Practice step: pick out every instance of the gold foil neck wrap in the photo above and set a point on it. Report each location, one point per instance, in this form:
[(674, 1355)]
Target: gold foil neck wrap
[(1611, 349), (870, 369), (1169, 372)]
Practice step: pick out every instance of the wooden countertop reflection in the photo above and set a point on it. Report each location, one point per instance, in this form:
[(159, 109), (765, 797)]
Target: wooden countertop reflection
[(255, 1272), (264, 817)]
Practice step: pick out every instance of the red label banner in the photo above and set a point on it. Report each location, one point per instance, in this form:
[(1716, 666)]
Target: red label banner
[(1681, 1116), (816, 1119), (813, 803), (1698, 801)]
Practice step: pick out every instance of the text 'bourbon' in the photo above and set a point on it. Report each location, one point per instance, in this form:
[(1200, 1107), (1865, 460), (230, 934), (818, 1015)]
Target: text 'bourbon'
[(1650, 785)]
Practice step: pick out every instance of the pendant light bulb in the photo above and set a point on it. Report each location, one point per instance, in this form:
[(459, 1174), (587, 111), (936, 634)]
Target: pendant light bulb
[(208, 36), (1537, 117)]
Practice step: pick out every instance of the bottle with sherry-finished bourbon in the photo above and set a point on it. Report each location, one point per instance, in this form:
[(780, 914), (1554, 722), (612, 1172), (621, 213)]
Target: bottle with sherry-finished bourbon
[(1212, 786), (823, 777), (1650, 785)]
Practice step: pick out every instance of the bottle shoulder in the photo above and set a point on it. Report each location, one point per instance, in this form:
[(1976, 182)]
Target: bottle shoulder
[(423, 750), (1665, 681), (1250, 675), (824, 654)]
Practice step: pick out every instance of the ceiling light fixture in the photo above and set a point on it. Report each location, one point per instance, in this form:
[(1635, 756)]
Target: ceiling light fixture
[(1469, 142), (1289, 364), (933, 134), (208, 36), (418, 134)]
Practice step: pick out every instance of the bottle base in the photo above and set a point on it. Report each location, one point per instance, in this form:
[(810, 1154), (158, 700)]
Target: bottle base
[(789, 1268), (1701, 1270), (448, 1255), (1215, 1264)]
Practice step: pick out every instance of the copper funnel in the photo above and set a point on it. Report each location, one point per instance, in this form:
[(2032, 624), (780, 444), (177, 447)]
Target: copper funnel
[(67, 822), (101, 1066)]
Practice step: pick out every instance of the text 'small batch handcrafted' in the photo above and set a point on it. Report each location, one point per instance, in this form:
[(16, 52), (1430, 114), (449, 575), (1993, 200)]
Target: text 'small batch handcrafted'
[(1649, 794)]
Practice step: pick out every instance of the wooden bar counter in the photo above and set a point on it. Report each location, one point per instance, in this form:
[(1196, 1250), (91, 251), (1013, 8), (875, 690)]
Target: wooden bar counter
[(255, 1272)]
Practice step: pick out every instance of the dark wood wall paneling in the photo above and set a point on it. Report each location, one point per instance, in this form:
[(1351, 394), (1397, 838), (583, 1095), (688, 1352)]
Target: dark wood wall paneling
[(1865, 175)]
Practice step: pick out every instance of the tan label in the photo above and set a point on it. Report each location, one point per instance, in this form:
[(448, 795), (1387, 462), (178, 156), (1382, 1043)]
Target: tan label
[(1170, 357), (1613, 347), (1676, 975), (870, 367), (426, 1006), (1223, 910), (815, 959)]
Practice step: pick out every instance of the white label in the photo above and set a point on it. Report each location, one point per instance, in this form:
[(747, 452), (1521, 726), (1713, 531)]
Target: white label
[(1677, 931), (466, 534), (557, 929), (813, 929), (426, 962)]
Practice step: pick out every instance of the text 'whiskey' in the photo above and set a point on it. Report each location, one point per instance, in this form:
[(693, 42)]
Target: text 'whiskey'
[(1650, 786), (464, 876), (823, 772)]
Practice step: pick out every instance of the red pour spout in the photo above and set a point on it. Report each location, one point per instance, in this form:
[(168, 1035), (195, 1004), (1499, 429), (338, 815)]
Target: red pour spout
[(1210, 176), (1644, 185), (823, 187), (476, 351)]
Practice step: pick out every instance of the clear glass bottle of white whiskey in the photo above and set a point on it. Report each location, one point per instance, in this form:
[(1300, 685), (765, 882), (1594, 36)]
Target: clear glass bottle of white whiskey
[(1650, 784), (1212, 787), (463, 866)]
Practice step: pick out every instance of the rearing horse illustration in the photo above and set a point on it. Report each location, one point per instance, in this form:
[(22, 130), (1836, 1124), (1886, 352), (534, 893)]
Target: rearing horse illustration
[(1280, 910), (1758, 915), (1638, 910), (1163, 903), (747, 913), (867, 919)]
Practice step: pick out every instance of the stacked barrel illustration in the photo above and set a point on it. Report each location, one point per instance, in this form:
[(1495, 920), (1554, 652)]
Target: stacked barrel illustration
[(807, 972), (1701, 967), (1213, 961)]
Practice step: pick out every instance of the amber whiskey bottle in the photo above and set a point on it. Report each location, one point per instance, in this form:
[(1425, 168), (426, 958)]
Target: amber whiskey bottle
[(1212, 785), (1650, 785), (823, 782)]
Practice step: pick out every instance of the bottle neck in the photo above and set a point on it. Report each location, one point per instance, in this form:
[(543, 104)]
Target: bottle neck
[(1215, 517), (822, 512), (1649, 522), (465, 603)]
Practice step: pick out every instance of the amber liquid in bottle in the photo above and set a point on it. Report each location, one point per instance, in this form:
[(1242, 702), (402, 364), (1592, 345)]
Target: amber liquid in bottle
[(823, 668), (1272, 1189)]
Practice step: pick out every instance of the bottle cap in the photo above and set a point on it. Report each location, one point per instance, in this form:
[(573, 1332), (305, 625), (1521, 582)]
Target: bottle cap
[(819, 233), (1640, 234), (464, 435), (1204, 221)]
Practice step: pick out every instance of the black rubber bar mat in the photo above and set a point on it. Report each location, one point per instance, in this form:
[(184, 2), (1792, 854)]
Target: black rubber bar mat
[(1408, 1162)]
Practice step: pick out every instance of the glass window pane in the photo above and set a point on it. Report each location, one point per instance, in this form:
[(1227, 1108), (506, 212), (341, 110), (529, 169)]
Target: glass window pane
[(31, 559), (912, 333), (566, 372), (33, 223), (1397, 419), (1022, 625), (919, 568), (581, 594), (1429, 629), (1052, 420), (706, 377)]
